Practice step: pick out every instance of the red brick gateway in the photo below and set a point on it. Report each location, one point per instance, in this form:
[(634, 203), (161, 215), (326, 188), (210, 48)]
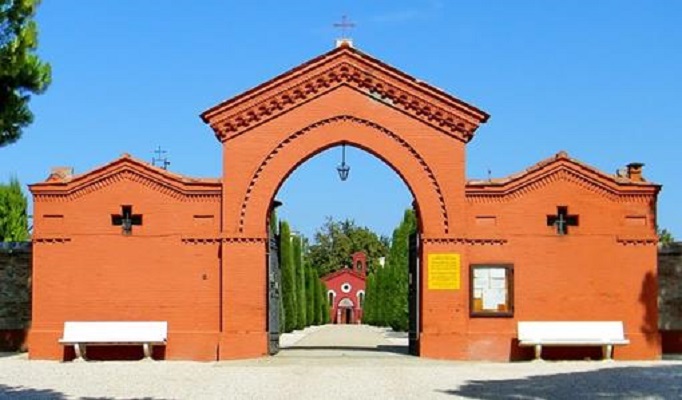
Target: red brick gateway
[(558, 241)]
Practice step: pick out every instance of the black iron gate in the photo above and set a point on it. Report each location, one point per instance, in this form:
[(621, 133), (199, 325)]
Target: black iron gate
[(413, 294), (274, 294)]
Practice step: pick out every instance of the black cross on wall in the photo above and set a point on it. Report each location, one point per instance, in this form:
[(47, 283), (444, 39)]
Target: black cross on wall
[(126, 219), (562, 220)]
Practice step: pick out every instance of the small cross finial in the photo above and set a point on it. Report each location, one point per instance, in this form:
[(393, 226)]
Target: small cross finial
[(160, 158), (344, 26)]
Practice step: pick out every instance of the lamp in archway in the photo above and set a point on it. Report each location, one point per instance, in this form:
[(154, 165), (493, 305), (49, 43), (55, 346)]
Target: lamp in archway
[(343, 169)]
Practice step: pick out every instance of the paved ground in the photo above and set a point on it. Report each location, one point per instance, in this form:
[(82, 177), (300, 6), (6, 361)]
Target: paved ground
[(355, 341), (370, 363)]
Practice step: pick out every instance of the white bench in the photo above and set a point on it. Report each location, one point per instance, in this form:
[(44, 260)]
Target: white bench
[(572, 333), (80, 334)]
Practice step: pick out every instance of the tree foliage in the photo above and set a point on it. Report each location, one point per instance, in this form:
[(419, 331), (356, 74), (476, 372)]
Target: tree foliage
[(322, 303), (21, 71), (665, 237), (386, 301), (301, 311), (288, 278), (336, 241), (13, 215), (311, 281)]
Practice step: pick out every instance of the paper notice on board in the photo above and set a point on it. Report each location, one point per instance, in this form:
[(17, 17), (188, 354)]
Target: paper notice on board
[(492, 298), (498, 273), (443, 271), (497, 283), (500, 297), (478, 293), (480, 273), (481, 283), (489, 299)]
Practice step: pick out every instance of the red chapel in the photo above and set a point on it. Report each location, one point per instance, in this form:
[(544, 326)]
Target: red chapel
[(346, 291)]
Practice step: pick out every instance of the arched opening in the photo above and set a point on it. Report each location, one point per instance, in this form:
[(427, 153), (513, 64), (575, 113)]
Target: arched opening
[(372, 201)]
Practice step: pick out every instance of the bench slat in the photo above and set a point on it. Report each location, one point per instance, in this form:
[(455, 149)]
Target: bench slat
[(597, 331), (115, 332), (572, 333)]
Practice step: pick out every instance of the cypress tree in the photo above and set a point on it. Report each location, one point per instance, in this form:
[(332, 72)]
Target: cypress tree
[(381, 296), (310, 295), (324, 303), (397, 311), (316, 297), (368, 307), (288, 277), (300, 282)]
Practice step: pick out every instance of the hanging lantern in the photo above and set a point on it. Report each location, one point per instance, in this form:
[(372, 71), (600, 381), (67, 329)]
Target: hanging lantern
[(343, 169)]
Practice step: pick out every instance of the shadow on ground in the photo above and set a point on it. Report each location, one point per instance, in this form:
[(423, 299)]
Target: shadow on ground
[(18, 392), (663, 382)]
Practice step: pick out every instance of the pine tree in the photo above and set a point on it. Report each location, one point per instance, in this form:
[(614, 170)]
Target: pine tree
[(13, 216), (288, 277), (21, 71)]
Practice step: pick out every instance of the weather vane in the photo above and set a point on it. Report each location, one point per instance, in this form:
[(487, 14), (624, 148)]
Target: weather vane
[(161, 158)]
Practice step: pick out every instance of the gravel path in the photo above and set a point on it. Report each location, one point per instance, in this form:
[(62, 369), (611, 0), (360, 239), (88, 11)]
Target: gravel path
[(361, 368)]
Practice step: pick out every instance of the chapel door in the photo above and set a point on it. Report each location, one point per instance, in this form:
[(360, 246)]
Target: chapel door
[(274, 285), (413, 294)]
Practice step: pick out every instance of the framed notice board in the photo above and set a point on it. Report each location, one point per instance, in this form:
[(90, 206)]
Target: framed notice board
[(491, 290)]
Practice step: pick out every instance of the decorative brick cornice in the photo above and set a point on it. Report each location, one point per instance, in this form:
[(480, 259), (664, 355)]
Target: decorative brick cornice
[(467, 241), (223, 239), (52, 239), (559, 168), (345, 118), (130, 169), (637, 241), (350, 68)]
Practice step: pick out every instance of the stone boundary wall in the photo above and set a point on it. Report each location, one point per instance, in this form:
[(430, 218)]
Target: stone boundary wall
[(670, 287), (670, 297), (15, 294)]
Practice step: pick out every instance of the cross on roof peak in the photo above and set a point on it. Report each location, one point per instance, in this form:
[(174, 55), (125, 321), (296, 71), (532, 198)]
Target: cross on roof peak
[(345, 25)]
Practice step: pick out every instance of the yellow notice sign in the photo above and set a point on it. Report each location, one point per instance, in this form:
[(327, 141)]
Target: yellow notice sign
[(444, 271)]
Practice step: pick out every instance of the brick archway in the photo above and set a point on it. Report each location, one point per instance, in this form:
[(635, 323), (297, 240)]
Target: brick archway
[(384, 144), (341, 97)]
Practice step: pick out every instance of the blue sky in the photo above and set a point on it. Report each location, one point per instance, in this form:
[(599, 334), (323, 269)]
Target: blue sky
[(599, 79)]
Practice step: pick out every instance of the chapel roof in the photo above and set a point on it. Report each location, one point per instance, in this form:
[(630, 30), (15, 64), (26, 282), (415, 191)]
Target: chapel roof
[(342, 271)]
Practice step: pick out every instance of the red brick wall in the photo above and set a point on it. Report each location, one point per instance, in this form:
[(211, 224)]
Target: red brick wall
[(585, 275), (98, 274)]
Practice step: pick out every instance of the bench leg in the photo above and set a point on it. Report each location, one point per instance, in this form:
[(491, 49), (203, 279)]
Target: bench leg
[(538, 352), (147, 352), (80, 352), (607, 352)]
